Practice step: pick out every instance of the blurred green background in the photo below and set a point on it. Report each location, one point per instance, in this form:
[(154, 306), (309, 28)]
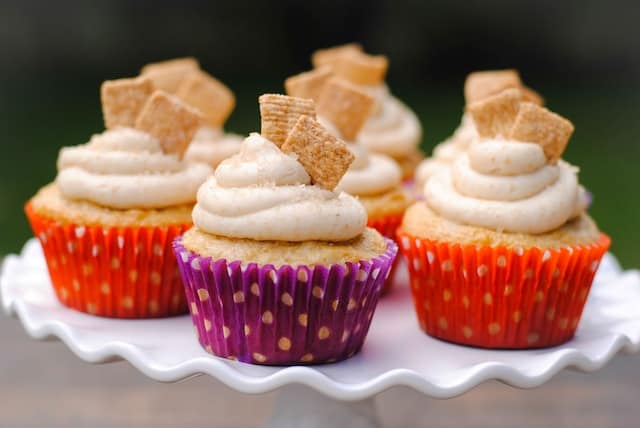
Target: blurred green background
[(583, 56)]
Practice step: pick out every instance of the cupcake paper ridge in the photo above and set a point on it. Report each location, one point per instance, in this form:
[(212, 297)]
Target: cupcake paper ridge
[(496, 297), (286, 315), (117, 272)]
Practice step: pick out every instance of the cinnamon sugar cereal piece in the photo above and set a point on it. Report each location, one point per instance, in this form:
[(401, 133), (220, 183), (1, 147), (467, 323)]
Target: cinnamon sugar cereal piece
[(170, 120), (362, 68), (531, 96), (308, 84), (345, 105), (482, 84), (167, 75), (122, 100), (206, 93), (325, 158), (279, 114), (494, 115), (536, 124), (329, 56)]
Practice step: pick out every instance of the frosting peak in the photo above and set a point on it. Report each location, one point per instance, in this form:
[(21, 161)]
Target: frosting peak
[(264, 194), (369, 174), (393, 129), (507, 186), (446, 152), (125, 168), (260, 163), (212, 145)]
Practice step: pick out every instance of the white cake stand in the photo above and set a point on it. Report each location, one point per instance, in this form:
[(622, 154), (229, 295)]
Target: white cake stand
[(396, 351)]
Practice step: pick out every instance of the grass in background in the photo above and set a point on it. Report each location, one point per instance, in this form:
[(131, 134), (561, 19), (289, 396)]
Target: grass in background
[(605, 146)]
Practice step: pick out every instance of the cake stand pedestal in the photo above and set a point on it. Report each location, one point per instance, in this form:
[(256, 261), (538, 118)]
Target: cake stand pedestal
[(396, 352), (299, 406)]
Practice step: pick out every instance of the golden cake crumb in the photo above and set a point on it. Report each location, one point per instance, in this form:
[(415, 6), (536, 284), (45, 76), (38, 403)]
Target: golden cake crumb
[(368, 245), (392, 202), (170, 120), (48, 202), (325, 158), (279, 114), (123, 99), (421, 222)]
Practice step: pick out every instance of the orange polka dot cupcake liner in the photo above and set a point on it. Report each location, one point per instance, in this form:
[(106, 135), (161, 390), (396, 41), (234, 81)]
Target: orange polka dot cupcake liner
[(124, 272), (387, 226), (497, 297), (290, 315)]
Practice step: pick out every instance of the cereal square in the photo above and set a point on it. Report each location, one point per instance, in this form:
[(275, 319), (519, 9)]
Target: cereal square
[(482, 84), (279, 114), (361, 68), (168, 75), (536, 124), (170, 120), (494, 116), (122, 100), (204, 92), (325, 158), (308, 84), (329, 56), (345, 105)]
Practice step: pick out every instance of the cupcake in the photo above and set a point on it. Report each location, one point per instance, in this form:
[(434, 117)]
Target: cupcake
[(392, 129), (376, 180), (501, 253), (184, 78), (478, 85), (279, 268), (212, 145), (107, 222)]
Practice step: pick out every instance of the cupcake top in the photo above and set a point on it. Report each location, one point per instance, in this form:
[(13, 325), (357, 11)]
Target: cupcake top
[(478, 85), (215, 101), (511, 179), (392, 128), (137, 162), (212, 146), (447, 151), (370, 174), (280, 186), (343, 108)]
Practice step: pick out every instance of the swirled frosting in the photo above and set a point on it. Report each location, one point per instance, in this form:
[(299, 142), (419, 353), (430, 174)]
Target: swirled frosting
[(393, 129), (507, 186), (369, 174), (212, 146), (263, 194), (125, 168), (446, 152)]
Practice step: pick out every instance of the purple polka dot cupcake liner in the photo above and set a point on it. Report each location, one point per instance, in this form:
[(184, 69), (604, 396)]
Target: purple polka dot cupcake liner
[(282, 316)]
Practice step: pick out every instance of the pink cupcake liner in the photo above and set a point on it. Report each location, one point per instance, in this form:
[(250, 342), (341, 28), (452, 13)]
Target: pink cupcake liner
[(279, 316)]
